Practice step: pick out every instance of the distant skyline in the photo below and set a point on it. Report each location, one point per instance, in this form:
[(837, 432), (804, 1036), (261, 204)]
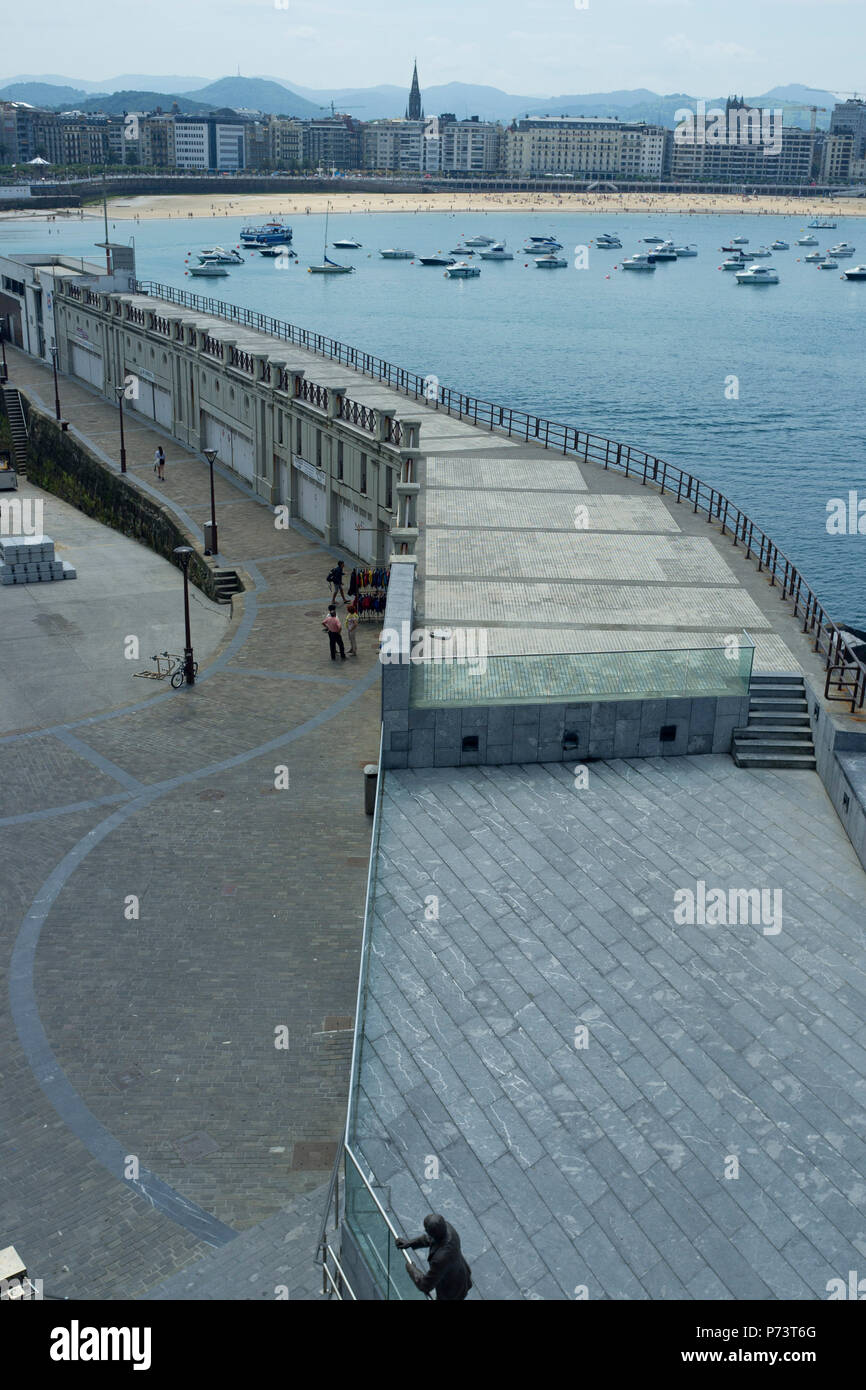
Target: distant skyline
[(539, 47)]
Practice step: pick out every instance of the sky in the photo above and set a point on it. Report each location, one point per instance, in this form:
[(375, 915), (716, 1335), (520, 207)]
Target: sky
[(536, 47)]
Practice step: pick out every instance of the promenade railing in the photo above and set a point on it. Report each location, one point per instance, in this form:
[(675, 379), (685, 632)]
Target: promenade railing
[(845, 680)]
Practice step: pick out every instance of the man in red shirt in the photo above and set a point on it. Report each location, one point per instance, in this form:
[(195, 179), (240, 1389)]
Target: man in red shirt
[(333, 627)]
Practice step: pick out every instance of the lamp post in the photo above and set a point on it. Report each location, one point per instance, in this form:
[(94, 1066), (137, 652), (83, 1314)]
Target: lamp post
[(210, 455), (56, 390), (119, 392), (184, 553), (3, 322)]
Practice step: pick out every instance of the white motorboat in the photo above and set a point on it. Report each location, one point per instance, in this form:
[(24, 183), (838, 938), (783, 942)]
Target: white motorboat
[(735, 263), (685, 251), (274, 252), (843, 250), (824, 223), (780, 246), (807, 240), (639, 262), (551, 261), (347, 244), (462, 270), (739, 241), (438, 259), (217, 255), (757, 275), (857, 272), (828, 264), (653, 240), (208, 270), (665, 252), (607, 241), (541, 248), (479, 240), (814, 257), (497, 252), (394, 254), (761, 253)]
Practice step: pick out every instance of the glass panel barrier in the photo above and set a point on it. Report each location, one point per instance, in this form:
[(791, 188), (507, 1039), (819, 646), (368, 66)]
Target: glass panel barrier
[(375, 1236), (572, 677)]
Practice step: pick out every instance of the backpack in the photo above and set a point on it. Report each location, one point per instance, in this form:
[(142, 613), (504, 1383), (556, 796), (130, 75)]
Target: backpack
[(334, 576)]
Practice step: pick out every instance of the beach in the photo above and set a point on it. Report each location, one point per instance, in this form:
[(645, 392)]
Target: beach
[(263, 205)]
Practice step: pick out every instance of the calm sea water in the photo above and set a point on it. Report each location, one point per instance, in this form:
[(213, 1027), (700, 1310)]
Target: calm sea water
[(644, 358)]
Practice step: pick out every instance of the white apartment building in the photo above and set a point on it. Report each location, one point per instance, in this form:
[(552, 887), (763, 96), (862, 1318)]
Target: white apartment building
[(471, 147), (191, 144), (588, 146)]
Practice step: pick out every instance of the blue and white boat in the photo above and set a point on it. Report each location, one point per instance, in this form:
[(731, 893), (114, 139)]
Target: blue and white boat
[(269, 234)]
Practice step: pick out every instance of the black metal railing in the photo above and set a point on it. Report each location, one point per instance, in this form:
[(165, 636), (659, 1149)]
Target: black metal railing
[(354, 413), (846, 674)]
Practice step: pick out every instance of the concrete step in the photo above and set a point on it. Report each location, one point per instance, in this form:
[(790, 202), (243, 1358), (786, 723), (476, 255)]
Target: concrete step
[(778, 705), (793, 731), (760, 717), (776, 760), (775, 678), (786, 692), (757, 745)]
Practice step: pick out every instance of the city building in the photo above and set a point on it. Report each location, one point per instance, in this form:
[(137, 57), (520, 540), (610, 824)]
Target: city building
[(585, 146), (29, 284), (332, 142), (835, 155), (787, 159), (849, 118), (471, 147)]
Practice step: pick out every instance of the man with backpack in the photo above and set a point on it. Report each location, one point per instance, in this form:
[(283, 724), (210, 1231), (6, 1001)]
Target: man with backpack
[(333, 627), (335, 579)]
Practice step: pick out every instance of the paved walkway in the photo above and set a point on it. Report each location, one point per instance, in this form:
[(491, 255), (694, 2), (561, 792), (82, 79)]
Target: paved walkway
[(152, 1037), (618, 1102)]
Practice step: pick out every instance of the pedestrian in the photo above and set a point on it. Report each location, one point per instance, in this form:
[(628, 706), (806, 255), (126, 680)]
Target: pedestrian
[(335, 579), (159, 463), (331, 624), (352, 621), (447, 1272)]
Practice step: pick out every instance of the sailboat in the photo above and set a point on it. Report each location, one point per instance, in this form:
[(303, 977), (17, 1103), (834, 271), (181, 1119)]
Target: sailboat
[(329, 267)]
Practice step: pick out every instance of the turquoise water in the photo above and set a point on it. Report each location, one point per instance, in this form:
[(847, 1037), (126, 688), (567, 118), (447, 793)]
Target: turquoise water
[(645, 358)]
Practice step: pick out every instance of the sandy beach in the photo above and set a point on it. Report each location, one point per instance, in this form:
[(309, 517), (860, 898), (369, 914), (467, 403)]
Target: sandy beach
[(262, 205)]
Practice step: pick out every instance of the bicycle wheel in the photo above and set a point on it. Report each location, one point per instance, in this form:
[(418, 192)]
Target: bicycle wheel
[(178, 677)]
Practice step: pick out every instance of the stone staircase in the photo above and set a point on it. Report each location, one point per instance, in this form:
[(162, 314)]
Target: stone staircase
[(17, 428), (778, 733), (226, 583)]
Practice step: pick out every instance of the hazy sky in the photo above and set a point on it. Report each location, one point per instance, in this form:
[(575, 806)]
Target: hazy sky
[(538, 47)]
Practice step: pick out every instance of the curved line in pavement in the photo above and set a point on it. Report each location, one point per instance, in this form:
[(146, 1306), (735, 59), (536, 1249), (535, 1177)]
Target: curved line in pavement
[(25, 1011)]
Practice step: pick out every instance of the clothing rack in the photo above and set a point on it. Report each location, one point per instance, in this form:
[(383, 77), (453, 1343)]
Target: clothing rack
[(369, 589)]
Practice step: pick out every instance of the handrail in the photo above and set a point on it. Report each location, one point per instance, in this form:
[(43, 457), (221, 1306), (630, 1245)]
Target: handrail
[(359, 1001), (582, 444)]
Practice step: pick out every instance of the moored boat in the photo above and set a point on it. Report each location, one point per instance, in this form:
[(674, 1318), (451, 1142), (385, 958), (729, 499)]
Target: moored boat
[(269, 234), (438, 259), (550, 261), (462, 270), (497, 252), (396, 254), (208, 270), (857, 272), (479, 240), (641, 261), (757, 275)]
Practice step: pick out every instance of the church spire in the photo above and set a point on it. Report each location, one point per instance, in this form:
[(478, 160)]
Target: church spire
[(414, 111)]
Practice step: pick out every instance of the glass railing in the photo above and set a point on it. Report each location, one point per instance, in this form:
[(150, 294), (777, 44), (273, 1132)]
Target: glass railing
[(375, 1236), (576, 677)]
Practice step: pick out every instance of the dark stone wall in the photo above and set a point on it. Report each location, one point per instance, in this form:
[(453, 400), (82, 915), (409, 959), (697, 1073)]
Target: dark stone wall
[(62, 465)]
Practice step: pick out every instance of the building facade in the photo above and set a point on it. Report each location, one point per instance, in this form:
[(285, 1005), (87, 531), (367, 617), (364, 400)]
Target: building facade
[(581, 146), (849, 118), (470, 147)]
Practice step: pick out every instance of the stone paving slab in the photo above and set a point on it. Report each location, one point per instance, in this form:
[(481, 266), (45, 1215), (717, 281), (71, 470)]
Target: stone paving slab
[(571, 603), (502, 555), (187, 910), (599, 1158)]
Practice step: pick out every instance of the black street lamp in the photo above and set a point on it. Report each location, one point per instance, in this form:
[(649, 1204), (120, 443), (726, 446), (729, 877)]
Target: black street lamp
[(184, 554), (56, 390), (4, 319), (210, 455), (119, 392)]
